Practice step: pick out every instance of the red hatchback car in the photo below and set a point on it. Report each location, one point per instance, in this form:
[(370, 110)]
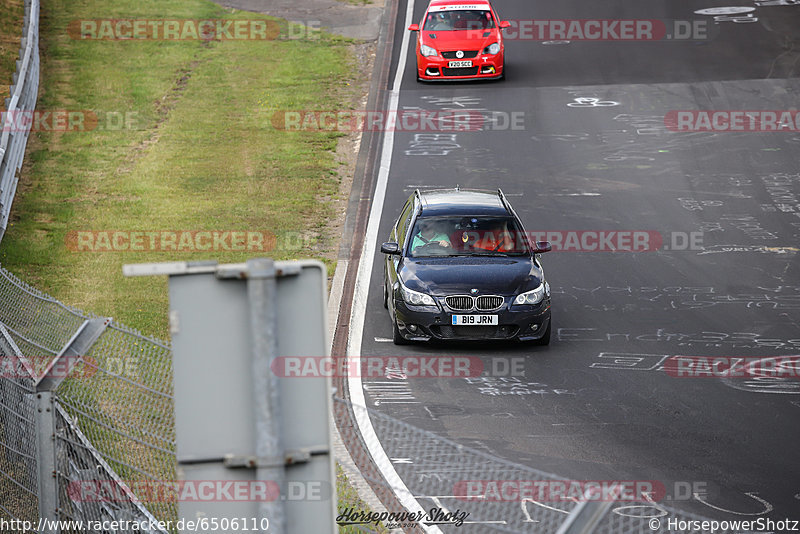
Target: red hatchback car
[(460, 40)]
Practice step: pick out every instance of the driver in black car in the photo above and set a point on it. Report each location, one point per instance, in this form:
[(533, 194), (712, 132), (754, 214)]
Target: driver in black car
[(429, 233)]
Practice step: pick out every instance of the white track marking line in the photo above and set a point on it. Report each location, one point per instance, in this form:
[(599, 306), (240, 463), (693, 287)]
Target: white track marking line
[(359, 309)]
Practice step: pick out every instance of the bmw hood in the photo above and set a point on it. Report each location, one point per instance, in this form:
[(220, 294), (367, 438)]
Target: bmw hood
[(457, 276)]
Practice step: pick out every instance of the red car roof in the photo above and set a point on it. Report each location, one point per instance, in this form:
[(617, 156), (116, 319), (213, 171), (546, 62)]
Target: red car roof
[(481, 3)]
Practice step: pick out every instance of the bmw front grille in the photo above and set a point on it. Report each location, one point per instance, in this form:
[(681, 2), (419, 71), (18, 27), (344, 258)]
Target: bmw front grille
[(469, 303)]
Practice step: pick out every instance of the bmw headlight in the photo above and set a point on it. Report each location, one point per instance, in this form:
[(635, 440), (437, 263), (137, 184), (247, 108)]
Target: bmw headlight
[(492, 49), (427, 51), (530, 298), (415, 298)]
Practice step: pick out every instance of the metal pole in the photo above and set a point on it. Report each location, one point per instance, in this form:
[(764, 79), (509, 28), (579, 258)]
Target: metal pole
[(585, 517), (46, 459), (219, 341), (58, 369), (262, 293)]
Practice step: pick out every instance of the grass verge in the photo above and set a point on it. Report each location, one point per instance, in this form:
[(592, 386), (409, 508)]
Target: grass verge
[(348, 498), (183, 141)]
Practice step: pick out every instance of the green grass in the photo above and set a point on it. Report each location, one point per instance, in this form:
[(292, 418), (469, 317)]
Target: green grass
[(199, 153), (12, 15), (348, 498), (202, 153)]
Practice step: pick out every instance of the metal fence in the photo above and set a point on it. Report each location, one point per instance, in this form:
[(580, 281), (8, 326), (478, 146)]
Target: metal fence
[(434, 470), (104, 419), (110, 418), (22, 103)]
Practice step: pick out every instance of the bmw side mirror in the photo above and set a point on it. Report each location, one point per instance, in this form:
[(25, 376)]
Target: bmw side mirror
[(543, 246), (414, 27), (390, 248), (505, 24)]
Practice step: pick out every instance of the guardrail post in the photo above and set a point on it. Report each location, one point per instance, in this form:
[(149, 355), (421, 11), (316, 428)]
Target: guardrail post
[(46, 450), (585, 517), (46, 458)]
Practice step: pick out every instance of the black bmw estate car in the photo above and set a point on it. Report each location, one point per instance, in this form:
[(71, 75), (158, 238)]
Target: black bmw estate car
[(459, 266)]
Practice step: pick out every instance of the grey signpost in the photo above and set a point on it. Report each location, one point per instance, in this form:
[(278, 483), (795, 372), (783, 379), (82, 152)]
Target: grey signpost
[(235, 418)]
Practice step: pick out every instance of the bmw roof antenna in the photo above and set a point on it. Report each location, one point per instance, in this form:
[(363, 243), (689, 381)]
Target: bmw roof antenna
[(503, 199)]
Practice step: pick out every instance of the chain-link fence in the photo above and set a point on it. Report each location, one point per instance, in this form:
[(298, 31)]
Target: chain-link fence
[(18, 475), (436, 472), (122, 401), (111, 414), (19, 107)]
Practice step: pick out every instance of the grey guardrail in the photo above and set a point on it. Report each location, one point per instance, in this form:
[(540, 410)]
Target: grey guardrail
[(24, 91)]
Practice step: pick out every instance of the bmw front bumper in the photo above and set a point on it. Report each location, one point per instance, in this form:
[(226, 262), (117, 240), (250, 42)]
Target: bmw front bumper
[(425, 323)]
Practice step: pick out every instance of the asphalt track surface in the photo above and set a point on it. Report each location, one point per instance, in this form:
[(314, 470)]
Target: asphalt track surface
[(597, 403)]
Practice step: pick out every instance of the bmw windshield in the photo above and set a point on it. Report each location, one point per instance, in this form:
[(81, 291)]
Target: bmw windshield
[(467, 236)]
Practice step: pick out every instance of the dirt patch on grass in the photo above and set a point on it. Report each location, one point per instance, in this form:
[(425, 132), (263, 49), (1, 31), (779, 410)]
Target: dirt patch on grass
[(12, 15), (162, 108), (347, 150)]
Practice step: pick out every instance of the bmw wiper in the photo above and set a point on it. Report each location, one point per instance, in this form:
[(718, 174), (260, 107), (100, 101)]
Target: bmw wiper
[(490, 253)]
